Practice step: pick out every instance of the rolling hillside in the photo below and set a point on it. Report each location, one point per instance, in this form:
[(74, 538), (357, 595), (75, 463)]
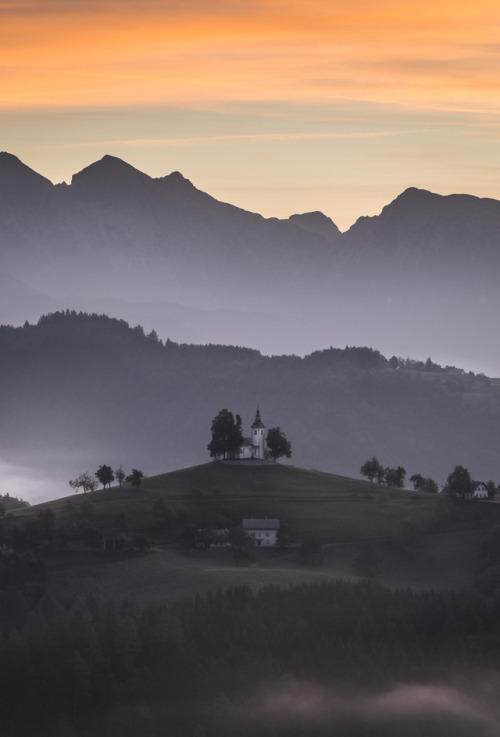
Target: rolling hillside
[(395, 536)]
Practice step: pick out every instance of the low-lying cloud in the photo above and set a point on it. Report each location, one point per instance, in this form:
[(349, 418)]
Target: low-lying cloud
[(291, 707)]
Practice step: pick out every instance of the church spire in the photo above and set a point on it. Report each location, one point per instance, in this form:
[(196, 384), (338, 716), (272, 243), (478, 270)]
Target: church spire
[(258, 428), (258, 422)]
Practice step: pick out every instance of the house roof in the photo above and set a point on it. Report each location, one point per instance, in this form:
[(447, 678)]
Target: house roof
[(261, 524)]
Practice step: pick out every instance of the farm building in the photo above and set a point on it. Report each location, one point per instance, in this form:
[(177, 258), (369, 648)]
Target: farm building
[(264, 532)]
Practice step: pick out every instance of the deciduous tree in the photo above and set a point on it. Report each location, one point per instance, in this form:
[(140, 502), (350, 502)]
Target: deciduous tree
[(372, 469), (105, 475), (84, 481), (227, 437), (120, 476), (459, 483), (395, 476), (135, 478), (424, 484), (277, 444)]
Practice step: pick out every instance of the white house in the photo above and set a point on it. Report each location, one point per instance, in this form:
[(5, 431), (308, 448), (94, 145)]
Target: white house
[(254, 446), (264, 532), (479, 491)]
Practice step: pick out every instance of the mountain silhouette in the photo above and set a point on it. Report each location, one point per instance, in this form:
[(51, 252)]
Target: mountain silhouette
[(417, 279)]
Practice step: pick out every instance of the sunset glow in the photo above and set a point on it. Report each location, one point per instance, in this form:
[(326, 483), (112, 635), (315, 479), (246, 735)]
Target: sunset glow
[(377, 64)]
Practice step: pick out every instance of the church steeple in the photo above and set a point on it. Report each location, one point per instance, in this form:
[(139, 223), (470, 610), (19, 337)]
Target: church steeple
[(257, 423), (258, 428)]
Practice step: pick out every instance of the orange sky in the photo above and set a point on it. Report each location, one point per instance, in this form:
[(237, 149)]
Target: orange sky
[(85, 54), (399, 64)]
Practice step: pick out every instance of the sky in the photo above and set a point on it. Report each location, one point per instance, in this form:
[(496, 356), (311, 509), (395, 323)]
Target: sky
[(277, 107)]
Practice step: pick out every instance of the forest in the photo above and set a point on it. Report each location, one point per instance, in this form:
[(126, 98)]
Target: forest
[(209, 665)]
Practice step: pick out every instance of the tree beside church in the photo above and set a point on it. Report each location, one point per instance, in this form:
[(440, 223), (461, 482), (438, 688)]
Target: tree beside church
[(227, 437), (277, 444), (228, 441)]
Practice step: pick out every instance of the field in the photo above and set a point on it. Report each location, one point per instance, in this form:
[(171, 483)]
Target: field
[(399, 537)]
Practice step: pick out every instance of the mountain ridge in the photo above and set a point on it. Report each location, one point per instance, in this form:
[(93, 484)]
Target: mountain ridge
[(397, 280)]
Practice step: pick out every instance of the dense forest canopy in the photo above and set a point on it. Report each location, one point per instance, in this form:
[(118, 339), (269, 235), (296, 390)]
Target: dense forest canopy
[(369, 661)]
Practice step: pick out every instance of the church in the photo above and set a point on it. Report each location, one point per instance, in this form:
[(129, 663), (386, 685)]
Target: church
[(254, 446)]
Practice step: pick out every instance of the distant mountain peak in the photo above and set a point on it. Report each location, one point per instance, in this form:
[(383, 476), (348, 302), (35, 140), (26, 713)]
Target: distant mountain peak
[(17, 179), (109, 176), (175, 180), (108, 167), (417, 195), (315, 222)]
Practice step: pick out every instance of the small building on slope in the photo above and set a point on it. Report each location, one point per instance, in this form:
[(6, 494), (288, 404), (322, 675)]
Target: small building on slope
[(478, 491), (264, 532)]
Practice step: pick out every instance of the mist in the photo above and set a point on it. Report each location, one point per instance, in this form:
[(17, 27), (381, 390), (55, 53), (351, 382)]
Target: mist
[(417, 280), (25, 482), (298, 708)]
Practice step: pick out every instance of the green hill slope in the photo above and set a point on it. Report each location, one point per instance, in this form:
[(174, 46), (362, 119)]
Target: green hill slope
[(311, 503), (399, 537)]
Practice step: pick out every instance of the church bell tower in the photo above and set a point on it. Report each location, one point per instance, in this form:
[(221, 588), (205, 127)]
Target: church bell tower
[(258, 428)]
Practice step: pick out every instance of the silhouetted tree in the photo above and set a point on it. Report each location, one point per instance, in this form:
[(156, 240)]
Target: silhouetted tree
[(418, 481), (84, 481), (135, 478), (277, 444), (458, 483), (105, 475), (120, 476), (227, 437), (424, 484), (372, 469), (492, 489), (395, 476)]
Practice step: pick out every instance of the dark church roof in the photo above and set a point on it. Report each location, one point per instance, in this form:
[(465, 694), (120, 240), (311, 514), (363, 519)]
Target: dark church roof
[(258, 422)]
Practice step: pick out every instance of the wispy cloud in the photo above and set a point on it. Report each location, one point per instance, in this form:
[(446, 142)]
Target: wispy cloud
[(92, 52), (244, 138)]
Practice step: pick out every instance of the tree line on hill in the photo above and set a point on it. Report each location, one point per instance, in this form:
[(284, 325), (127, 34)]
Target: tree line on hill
[(152, 400), (459, 483), (374, 470), (105, 475)]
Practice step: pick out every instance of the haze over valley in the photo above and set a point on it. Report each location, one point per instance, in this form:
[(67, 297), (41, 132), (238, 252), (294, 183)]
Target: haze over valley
[(417, 280), (81, 390)]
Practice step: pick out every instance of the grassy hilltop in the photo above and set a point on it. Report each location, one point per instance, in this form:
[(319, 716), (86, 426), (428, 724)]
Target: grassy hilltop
[(311, 503), (396, 536)]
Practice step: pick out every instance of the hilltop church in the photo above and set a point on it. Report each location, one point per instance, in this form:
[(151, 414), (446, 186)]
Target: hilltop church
[(254, 446)]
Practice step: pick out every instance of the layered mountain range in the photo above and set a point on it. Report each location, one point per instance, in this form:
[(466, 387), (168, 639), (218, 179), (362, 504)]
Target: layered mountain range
[(418, 279)]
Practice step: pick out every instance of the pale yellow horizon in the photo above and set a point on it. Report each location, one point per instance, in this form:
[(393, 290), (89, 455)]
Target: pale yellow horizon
[(275, 101)]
